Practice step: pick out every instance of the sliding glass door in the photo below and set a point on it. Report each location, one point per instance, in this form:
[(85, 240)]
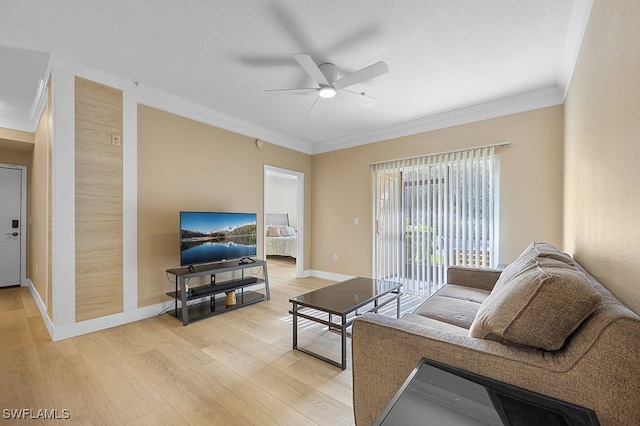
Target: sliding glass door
[(432, 212)]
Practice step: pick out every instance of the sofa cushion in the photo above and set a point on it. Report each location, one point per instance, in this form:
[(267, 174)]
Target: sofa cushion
[(463, 292), (454, 305), (540, 305), (458, 312), (433, 323)]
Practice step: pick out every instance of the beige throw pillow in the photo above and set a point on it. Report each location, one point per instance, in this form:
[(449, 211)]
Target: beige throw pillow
[(540, 306), (552, 252), (284, 232), (273, 231), (532, 254)]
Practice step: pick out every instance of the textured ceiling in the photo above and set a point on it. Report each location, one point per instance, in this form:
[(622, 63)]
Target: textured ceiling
[(446, 59)]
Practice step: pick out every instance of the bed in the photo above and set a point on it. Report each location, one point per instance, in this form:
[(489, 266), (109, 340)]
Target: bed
[(280, 237)]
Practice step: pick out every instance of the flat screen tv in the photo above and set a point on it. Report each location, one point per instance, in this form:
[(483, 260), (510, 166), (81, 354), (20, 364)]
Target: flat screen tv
[(207, 237)]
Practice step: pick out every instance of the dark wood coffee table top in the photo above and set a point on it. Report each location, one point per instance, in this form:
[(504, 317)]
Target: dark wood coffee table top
[(346, 296)]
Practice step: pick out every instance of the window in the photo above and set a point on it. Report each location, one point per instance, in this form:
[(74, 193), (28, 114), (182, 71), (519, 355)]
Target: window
[(432, 212)]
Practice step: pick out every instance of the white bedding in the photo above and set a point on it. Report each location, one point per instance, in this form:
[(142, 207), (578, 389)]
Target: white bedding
[(282, 246), (280, 238)]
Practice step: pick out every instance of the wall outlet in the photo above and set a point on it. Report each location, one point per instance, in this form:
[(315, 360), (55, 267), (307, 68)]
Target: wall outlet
[(116, 139), (36, 269), (335, 257)]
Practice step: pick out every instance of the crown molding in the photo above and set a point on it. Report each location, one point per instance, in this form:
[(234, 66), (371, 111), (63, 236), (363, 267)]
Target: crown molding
[(176, 105), (575, 35), (151, 97), (17, 122), (512, 105), (169, 102), (183, 107), (60, 63), (27, 123)]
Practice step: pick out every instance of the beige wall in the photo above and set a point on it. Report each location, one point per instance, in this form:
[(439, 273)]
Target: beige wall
[(18, 158), (602, 137), (186, 165), (16, 147), (12, 139), (531, 186)]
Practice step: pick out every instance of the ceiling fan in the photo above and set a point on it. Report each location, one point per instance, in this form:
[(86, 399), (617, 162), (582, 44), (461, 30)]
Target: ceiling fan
[(326, 77)]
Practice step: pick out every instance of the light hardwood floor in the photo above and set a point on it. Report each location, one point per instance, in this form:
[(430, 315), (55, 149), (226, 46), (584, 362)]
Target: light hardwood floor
[(234, 368)]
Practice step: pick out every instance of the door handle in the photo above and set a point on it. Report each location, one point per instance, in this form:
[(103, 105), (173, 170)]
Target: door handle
[(13, 234)]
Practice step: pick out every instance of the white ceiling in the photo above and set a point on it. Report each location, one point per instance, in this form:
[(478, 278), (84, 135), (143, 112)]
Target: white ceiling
[(449, 61)]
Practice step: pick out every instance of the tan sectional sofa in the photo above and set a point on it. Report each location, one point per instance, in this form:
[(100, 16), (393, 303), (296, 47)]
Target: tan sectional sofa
[(543, 324)]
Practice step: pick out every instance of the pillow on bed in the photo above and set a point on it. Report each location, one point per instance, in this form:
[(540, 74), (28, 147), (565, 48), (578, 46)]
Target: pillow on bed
[(292, 231), (273, 231), (284, 232)]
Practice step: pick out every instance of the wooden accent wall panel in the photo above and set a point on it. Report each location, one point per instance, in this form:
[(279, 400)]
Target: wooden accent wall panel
[(98, 178)]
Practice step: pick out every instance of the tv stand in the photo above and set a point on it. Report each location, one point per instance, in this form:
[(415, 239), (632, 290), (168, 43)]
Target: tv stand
[(205, 302)]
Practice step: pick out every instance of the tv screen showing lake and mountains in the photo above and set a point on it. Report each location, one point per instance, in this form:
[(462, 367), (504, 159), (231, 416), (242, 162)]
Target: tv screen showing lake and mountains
[(216, 236)]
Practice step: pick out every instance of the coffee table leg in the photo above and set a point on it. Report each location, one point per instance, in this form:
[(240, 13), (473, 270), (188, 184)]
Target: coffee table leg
[(343, 334), (398, 307), (294, 312)]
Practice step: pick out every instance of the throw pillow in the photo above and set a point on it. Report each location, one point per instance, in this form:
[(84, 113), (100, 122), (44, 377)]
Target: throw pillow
[(552, 252), (284, 232), (273, 231), (540, 307), (529, 256)]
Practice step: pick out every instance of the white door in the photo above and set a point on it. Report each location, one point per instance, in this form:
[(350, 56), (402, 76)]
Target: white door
[(10, 240)]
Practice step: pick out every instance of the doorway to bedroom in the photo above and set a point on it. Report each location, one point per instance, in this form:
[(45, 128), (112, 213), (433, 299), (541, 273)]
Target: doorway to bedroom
[(284, 219)]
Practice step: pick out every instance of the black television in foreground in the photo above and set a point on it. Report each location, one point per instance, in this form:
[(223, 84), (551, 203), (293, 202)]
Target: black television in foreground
[(207, 237)]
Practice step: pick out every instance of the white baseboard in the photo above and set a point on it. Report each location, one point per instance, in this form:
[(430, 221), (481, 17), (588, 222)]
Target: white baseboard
[(97, 324), (41, 307), (330, 275), (305, 274), (89, 326)]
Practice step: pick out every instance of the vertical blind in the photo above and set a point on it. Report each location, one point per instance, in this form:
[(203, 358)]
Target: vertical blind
[(432, 212)]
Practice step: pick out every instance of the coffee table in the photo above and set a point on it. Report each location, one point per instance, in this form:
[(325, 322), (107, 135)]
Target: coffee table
[(344, 300)]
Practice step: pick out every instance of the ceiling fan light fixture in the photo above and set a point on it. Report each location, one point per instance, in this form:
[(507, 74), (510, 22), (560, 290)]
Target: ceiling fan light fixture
[(327, 92)]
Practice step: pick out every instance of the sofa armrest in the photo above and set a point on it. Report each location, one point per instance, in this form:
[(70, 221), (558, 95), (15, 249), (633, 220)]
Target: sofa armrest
[(482, 278), (385, 350)]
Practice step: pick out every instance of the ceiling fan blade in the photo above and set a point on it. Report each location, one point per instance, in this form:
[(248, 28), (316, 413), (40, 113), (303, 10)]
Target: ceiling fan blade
[(321, 106), (313, 110), (307, 63), (366, 73), (361, 98), (302, 89)]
